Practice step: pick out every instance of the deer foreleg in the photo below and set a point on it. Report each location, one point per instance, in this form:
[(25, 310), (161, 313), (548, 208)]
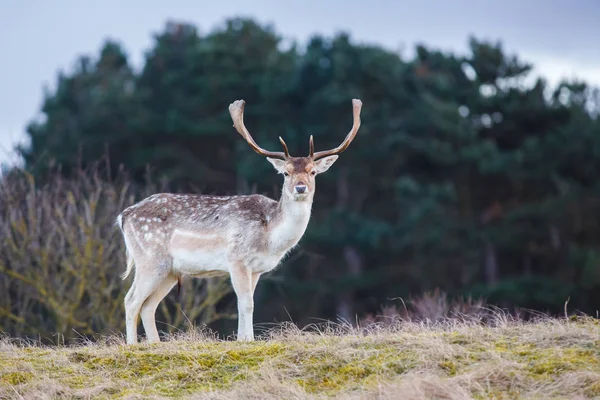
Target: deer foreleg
[(242, 282)]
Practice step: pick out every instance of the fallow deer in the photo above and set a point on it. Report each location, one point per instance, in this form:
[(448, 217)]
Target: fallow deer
[(169, 236)]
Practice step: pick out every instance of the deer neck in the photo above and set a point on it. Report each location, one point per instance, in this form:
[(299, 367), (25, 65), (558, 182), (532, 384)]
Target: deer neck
[(288, 223)]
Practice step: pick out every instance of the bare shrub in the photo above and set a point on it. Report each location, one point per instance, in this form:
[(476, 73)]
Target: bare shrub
[(431, 307), (61, 255)]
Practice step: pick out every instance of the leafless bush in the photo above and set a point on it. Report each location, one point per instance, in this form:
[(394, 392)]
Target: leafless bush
[(432, 307), (61, 256)]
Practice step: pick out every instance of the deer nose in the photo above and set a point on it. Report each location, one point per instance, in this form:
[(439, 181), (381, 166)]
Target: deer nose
[(300, 188)]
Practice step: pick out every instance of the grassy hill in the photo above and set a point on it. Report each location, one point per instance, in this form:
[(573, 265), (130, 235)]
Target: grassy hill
[(546, 359)]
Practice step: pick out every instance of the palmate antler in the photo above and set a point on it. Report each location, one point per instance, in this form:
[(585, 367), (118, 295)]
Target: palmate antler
[(236, 110), (356, 107)]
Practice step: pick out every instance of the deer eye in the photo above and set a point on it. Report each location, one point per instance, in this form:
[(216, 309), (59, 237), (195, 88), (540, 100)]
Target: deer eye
[(313, 173), (286, 174)]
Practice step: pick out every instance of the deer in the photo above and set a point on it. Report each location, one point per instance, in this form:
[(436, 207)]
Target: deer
[(170, 236)]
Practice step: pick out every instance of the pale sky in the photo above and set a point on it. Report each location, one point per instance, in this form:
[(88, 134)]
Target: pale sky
[(40, 37)]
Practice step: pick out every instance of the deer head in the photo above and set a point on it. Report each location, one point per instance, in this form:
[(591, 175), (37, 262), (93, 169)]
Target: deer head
[(299, 172)]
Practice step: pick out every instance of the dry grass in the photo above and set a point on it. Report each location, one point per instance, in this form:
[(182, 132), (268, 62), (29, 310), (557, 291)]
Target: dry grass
[(545, 359)]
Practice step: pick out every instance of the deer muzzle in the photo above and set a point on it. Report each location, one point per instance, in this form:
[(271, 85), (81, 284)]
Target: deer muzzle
[(300, 189)]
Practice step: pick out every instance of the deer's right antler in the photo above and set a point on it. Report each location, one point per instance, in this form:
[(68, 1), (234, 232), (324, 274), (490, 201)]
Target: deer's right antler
[(356, 107), (236, 110)]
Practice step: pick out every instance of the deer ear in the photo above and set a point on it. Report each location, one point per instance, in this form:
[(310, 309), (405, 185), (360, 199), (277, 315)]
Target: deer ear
[(278, 164), (323, 164)]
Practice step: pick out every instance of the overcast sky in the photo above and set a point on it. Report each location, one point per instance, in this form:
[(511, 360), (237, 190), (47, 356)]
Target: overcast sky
[(40, 37)]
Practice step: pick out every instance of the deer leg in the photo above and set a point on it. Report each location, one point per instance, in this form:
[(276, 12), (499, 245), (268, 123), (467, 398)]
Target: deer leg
[(255, 276), (132, 309), (149, 307), (242, 282), (143, 286)]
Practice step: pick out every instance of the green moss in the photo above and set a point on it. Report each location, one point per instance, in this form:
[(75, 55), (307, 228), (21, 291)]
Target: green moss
[(16, 378), (75, 381), (182, 371), (450, 366), (457, 338), (329, 372), (547, 362), (593, 390)]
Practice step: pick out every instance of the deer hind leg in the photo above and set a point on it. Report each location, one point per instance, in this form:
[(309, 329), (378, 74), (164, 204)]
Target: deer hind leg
[(149, 307), (132, 309), (241, 280), (143, 287)]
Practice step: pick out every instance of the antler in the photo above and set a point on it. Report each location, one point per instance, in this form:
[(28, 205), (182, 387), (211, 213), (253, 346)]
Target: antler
[(356, 106), (236, 110)]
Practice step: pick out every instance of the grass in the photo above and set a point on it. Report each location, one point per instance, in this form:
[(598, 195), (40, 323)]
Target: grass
[(544, 359)]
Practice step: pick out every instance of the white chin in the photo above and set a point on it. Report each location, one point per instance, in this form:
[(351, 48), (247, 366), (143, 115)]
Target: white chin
[(300, 196)]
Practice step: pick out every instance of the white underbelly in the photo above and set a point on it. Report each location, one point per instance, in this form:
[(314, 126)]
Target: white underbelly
[(200, 262)]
